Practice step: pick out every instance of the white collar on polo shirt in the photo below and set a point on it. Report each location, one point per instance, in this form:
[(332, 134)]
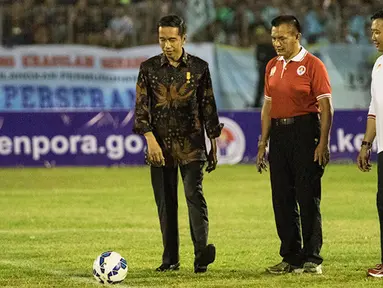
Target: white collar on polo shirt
[(297, 58)]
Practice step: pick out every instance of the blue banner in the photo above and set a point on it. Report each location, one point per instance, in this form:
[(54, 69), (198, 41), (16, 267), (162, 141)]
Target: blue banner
[(238, 142), (73, 138), (347, 135), (106, 138)]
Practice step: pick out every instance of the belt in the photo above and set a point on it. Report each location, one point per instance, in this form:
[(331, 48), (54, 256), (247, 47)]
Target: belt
[(292, 120)]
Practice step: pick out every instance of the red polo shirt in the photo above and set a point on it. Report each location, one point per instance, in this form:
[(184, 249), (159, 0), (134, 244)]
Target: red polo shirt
[(295, 87)]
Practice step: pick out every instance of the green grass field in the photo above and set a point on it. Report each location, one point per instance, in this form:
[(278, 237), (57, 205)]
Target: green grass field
[(54, 222)]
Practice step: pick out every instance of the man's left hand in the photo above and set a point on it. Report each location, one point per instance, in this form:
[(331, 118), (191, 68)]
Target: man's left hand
[(322, 154), (212, 157)]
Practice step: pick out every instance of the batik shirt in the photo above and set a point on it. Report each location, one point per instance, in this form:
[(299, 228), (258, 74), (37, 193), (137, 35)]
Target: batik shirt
[(177, 104)]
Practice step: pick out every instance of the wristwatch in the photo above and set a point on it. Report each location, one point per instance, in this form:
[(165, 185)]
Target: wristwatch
[(368, 145)]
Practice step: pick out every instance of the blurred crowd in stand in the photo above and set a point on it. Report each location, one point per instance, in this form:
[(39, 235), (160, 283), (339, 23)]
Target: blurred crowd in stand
[(127, 23)]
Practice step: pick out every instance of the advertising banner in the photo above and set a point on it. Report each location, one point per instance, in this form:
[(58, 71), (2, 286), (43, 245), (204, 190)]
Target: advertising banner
[(237, 75), (105, 138), (73, 138), (76, 78), (238, 142), (349, 68)]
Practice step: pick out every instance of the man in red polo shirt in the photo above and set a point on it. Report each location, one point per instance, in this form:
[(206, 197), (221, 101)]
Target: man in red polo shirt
[(297, 116)]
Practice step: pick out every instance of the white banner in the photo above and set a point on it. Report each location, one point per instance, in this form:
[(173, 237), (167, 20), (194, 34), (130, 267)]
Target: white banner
[(71, 77), (238, 76), (349, 68)]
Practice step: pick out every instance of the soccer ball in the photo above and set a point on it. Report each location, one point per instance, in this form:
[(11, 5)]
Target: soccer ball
[(110, 267)]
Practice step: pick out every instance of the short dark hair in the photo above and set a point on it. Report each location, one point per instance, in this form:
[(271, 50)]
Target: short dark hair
[(286, 19), (377, 15), (173, 21)]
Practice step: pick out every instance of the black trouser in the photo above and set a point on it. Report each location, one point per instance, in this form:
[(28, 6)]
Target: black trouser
[(165, 182), (296, 188), (379, 200)]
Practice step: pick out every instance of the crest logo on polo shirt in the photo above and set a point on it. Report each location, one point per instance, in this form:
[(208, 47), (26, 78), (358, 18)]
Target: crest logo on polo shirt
[(379, 66), (301, 70), (272, 71)]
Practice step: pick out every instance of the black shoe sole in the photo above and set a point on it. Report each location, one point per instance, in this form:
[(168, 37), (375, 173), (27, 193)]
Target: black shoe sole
[(200, 269)]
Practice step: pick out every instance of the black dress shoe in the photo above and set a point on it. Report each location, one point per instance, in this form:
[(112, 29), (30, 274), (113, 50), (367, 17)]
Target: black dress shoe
[(206, 257), (168, 267)]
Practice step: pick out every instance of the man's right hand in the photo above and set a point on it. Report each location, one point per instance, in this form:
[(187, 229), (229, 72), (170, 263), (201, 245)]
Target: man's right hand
[(154, 154), (261, 159), (363, 159)]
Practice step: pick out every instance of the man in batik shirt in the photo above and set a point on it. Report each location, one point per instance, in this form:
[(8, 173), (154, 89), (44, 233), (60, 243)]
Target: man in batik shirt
[(175, 105)]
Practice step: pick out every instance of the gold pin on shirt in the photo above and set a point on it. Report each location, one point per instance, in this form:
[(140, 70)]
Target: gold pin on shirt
[(188, 76)]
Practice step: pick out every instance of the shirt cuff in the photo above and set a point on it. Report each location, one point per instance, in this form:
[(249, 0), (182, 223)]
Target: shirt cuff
[(322, 96), (141, 129), (214, 132)]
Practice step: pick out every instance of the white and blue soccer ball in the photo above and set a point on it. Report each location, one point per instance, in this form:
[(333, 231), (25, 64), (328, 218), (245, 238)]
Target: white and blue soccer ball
[(110, 267)]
